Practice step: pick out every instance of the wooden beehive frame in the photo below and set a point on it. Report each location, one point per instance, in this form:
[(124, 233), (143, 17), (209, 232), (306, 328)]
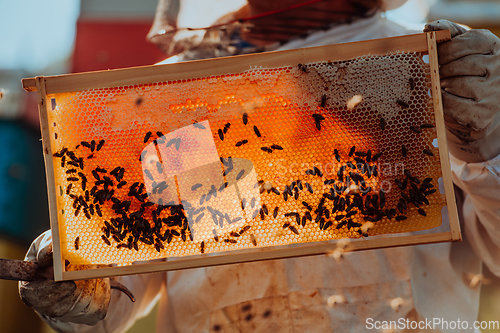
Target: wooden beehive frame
[(425, 43)]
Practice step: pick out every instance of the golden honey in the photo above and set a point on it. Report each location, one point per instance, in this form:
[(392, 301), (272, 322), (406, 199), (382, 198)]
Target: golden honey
[(265, 157)]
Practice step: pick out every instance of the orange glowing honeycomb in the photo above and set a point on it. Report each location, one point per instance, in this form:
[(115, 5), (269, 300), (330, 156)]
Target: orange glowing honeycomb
[(263, 157)]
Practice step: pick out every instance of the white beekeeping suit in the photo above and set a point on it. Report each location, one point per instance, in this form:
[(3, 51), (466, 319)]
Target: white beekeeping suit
[(417, 283)]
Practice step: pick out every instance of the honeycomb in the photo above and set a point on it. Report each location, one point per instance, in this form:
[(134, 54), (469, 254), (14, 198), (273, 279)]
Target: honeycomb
[(265, 157)]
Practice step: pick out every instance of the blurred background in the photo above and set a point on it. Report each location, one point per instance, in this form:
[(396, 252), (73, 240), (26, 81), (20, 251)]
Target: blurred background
[(67, 36)]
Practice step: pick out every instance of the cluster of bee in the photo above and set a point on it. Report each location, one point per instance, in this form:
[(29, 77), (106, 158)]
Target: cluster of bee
[(138, 220)]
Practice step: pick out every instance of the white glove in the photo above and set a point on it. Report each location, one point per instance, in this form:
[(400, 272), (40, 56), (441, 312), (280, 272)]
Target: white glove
[(81, 302), (470, 82)]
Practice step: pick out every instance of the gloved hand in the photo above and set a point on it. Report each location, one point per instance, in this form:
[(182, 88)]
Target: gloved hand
[(81, 302), (470, 82)]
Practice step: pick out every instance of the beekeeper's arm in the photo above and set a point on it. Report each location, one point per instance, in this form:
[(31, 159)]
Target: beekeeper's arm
[(470, 81), (89, 305)]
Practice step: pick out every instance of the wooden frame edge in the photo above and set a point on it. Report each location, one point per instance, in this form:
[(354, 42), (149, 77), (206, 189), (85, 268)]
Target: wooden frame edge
[(233, 64), (442, 142), (51, 189), (268, 253)]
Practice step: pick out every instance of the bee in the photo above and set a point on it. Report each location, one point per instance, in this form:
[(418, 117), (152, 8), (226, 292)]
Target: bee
[(411, 81), (240, 174), (317, 124), (77, 243), (223, 186), (376, 157), (202, 247), (245, 118), (92, 145), (303, 68), (171, 142), (402, 103), (148, 173), (99, 146), (226, 127), (426, 126), (336, 153), (310, 172), (138, 101), (351, 151), (360, 154), (341, 224), (264, 209), (106, 240), (293, 229), (401, 218), (147, 136), (253, 240), (196, 186), (242, 142), (323, 101), (96, 175), (197, 125), (415, 129), (309, 187), (98, 210), (158, 167), (221, 134), (277, 147), (257, 132), (266, 149), (72, 179), (428, 152), (275, 212), (404, 150), (199, 217), (429, 192)]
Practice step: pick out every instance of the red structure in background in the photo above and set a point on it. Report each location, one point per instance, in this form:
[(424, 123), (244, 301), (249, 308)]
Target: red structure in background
[(102, 45)]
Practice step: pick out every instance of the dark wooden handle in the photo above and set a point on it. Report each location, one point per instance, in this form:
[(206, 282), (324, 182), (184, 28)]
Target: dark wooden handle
[(20, 270)]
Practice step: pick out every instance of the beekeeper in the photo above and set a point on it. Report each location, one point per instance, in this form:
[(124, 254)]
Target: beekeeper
[(319, 294)]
